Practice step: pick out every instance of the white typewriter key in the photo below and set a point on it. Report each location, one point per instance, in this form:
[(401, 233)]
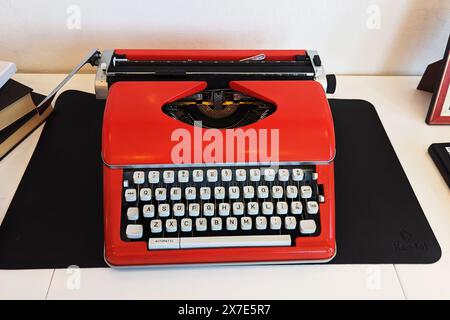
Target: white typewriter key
[(226, 174), (315, 176), (133, 213), (238, 208), (241, 175), (194, 209), (138, 177), (145, 194), (148, 211), (263, 192), (163, 210), (255, 174), (205, 193), (197, 175), (171, 225), (249, 192), (190, 193), (186, 225), (211, 175), (175, 193), (235, 241), (296, 207), (321, 198), (200, 224), (130, 195), (153, 177), (224, 209), (269, 174), (156, 226), (267, 208), (297, 174), (231, 224), (252, 208), (183, 176), (134, 231), (169, 176), (307, 226), (233, 192), (291, 192), (160, 194), (277, 192), (283, 175), (178, 209), (246, 223), (312, 207), (305, 192), (163, 243), (290, 223), (275, 223), (208, 209), (261, 223), (219, 193), (282, 207), (126, 184), (216, 224)]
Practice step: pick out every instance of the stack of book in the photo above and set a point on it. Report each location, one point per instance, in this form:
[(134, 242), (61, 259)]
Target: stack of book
[(19, 115)]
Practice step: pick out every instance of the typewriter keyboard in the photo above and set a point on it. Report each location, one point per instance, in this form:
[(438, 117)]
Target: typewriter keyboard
[(212, 207)]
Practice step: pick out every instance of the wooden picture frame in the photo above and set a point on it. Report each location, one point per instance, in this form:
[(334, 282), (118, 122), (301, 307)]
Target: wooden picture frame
[(439, 110)]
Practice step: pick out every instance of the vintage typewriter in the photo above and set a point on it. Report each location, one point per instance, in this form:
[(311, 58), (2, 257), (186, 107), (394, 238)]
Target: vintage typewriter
[(216, 156)]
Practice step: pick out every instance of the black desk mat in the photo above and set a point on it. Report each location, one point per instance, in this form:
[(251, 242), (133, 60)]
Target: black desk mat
[(55, 218)]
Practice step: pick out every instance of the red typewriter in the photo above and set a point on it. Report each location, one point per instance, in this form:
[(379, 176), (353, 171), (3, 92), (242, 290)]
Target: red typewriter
[(216, 156)]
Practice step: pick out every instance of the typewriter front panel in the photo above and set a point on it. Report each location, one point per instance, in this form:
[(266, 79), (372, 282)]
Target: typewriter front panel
[(122, 251)]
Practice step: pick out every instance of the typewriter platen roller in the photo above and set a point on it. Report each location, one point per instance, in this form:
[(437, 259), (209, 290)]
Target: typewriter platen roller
[(204, 65)]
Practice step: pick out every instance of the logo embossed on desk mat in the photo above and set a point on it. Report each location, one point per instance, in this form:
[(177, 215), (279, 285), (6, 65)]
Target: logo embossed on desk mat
[(407, 243)]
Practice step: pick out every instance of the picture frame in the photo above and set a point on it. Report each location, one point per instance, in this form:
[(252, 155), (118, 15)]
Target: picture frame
[(439, 109)]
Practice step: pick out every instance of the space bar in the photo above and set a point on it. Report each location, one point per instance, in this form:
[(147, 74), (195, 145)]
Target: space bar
[(235, 241)]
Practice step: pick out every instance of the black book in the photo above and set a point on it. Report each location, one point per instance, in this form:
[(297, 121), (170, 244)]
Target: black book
[(14, 133), (16, 101)]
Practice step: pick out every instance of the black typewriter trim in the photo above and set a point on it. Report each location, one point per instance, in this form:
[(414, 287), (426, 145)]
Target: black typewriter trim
[(213, 81)]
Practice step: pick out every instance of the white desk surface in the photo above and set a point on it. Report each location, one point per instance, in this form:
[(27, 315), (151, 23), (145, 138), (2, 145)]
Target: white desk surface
[(402, 110)]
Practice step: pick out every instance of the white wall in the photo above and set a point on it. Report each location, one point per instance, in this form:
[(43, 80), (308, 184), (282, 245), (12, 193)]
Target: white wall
[(43, 35)]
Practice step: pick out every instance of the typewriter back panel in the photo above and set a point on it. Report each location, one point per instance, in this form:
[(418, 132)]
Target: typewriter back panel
[(151, 54)]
